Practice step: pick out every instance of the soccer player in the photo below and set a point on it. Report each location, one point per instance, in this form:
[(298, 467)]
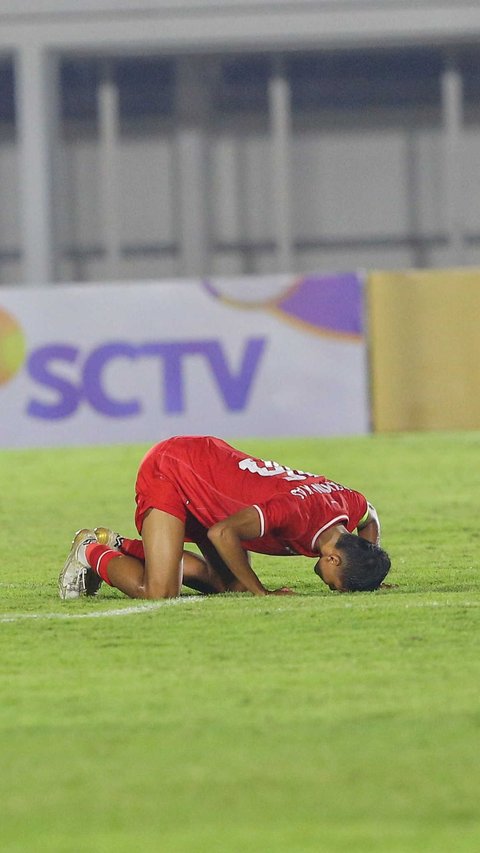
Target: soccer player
[(200, 489)]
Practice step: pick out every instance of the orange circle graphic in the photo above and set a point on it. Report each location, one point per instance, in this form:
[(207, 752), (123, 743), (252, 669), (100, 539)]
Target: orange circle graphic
[(12, 346)]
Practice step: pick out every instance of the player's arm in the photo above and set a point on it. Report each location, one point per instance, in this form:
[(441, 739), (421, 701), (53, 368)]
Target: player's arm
[(369, 526), (162, 536), (227, 536)]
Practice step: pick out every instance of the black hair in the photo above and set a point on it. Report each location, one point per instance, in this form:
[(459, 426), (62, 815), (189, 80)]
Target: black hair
[(365, 564)]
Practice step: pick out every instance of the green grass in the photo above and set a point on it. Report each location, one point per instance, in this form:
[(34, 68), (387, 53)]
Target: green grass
[(319, 722)]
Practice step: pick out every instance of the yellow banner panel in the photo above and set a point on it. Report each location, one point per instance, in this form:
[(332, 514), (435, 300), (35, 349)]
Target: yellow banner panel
[(424, 334)]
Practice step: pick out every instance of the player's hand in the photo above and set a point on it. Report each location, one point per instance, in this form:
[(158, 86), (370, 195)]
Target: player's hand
[(284, 590)]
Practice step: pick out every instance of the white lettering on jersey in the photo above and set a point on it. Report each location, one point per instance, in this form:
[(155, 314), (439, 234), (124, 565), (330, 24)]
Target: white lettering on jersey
[(316, 488), (272, 469)]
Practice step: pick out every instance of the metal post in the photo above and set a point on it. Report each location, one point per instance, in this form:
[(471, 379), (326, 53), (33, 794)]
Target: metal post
[(109, 123), (280, 124), (192, 176), (36, 87), (452, 109)]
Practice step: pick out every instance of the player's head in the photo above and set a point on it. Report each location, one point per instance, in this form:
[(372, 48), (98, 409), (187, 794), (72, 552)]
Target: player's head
[(364, 565), (355, 565)]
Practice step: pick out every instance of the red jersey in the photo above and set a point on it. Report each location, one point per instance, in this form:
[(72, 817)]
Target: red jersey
[(211, 480)]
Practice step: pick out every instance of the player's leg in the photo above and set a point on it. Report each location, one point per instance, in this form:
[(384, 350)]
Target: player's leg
[(89, 563), (224, 579), (163, 551), (124, 573), (163, 535), (103, 555), (159, 575), (208, 576), (198, 574)]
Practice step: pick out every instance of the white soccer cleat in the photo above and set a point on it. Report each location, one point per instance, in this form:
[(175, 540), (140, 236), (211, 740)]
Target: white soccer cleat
[(108, 537), (75, 575)]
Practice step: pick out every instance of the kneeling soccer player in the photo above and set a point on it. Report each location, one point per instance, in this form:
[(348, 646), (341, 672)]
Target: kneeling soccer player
[(200, 489)]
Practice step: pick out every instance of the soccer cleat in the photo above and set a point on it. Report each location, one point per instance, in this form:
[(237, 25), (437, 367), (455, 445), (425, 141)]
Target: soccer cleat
[(74, 579), (108, 537), (93, 582)]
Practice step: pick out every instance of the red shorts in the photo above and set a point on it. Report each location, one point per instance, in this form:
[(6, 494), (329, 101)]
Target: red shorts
[(155, 488)]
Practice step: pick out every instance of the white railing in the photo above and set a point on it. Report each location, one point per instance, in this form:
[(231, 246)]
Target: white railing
[(19, 8)]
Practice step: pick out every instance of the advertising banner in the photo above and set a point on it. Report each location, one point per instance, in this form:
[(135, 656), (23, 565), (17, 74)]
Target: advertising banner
[(425, 349), (136, 362)]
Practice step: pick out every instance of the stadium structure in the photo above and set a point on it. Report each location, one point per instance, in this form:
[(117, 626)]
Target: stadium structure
[(175, 138)]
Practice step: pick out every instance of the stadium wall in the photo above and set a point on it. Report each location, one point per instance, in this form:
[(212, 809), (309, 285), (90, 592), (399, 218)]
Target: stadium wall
[(311, 134)]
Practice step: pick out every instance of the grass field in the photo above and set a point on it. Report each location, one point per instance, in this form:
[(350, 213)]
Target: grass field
[(320, 722)]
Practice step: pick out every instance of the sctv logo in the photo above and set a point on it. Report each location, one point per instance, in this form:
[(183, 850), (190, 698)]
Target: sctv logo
[(46, 367), (66, 376)]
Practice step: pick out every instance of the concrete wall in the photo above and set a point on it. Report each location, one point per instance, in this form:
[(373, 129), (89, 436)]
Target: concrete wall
[(367, 191), (276, 186)]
